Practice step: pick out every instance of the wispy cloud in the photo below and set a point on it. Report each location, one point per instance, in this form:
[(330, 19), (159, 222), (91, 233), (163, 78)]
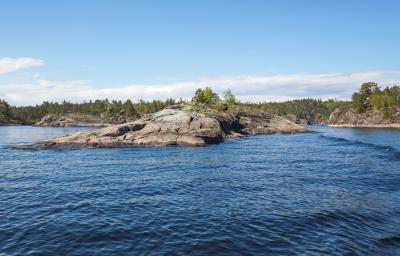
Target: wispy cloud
[(8, 65), (275, 87)]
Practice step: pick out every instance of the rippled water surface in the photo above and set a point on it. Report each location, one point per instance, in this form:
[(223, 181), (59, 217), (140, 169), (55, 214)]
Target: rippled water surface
[(332, 192)]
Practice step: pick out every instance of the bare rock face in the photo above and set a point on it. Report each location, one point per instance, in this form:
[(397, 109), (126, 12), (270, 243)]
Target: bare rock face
[(347, 117), (54, 120), (77, 120), (189, 125), (296, 120), (254, 123)]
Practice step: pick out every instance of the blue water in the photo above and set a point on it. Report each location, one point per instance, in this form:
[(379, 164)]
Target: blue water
[(333, 192)]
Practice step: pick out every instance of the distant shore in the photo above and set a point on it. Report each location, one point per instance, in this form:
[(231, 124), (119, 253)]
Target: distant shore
[(394, 126), (13, 124)]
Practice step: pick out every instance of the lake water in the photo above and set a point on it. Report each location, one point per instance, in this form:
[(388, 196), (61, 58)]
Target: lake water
[(332, 192)]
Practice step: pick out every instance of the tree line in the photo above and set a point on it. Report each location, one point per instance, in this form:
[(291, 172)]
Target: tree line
[(313, 110), (105, 109), (371, 97), (5, 111), (101, 108), (310, 109)]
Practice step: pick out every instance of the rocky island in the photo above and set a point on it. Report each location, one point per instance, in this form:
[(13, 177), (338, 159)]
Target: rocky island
[(371, 107), (189, 124), (347, 117)]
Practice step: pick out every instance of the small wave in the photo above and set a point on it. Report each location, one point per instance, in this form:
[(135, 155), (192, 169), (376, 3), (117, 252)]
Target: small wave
[(389, 149), (344, 217)]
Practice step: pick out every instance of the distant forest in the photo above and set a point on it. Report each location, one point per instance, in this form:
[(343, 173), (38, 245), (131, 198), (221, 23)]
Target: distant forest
[(101, 108), (314, 110), (304, 108), (369, 97)]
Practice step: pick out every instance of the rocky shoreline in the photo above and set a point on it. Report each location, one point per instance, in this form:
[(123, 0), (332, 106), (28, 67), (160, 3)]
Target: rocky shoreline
[(12, 123), (383, 126), (185, 124), (346, 117)]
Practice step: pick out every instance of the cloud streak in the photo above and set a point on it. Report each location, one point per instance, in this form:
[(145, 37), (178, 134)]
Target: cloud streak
[(255, 88), (8, 65)]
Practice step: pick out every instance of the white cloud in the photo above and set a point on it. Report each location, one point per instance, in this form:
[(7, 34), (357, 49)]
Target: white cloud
[(275, 87), (8, 65)]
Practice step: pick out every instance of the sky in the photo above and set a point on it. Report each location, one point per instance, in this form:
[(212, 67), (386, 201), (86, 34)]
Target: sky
[(261, 50)]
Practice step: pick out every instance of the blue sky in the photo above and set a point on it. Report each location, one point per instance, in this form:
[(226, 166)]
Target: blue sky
[(262, 50)]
